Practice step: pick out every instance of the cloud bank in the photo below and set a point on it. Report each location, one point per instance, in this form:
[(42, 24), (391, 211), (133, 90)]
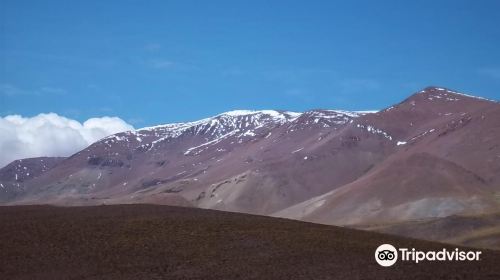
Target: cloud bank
[(51, 135)]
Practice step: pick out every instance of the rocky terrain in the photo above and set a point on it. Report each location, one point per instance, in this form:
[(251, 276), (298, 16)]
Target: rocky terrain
[(164, 242), (481, 230), (432, 156)]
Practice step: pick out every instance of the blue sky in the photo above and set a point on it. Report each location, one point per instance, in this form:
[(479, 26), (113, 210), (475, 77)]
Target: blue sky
[(152, 62)]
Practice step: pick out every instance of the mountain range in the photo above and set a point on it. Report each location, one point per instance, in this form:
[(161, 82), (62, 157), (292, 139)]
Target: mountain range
[(408, 169)]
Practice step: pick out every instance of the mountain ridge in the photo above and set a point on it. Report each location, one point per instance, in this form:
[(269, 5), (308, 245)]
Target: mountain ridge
[(433, 155)]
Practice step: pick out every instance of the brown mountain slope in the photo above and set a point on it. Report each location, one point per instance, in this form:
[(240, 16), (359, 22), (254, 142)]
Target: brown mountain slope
[(161, 242), (284, 155), (13, 176), (435, 154), (482, 230), (444, 165)]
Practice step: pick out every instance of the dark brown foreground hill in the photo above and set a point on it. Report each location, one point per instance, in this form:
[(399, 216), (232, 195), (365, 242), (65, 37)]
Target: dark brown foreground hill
[(163, 242)]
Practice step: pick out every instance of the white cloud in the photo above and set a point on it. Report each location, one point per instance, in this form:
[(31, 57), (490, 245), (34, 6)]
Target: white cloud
[(51, 135)]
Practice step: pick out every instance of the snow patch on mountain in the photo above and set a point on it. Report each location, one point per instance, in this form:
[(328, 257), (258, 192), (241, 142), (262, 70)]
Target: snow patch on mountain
[(215, 141), (422, 134), (237, 123), (374, 130)]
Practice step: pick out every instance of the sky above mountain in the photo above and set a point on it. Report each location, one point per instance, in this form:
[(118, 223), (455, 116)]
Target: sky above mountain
[(152, 62)]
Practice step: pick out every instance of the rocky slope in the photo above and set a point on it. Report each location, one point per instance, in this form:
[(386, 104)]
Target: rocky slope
[(433, 155), (165, 242), (446, 161)]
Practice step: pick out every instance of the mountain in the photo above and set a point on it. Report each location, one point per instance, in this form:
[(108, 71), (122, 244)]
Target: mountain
[(434, 155), (199, 162), (446, 161), (13, 175)]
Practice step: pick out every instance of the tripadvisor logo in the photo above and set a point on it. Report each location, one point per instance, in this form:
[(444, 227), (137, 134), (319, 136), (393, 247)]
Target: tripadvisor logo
[(387, 255)]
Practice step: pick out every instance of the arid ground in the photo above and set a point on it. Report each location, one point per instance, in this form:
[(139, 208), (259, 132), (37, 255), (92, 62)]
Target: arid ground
[(165, 242)]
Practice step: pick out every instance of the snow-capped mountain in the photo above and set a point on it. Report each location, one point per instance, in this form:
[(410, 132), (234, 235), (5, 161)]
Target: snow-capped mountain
[(240, 124), (435, 154)]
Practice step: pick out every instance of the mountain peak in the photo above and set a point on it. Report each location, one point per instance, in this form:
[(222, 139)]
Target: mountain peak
[(272, 113), (435, 92)]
